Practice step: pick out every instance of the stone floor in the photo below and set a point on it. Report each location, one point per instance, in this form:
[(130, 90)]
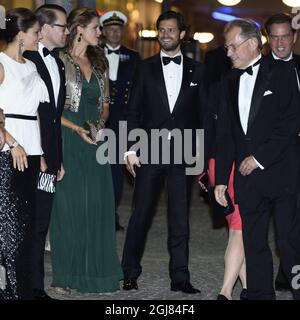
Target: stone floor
[(207, 247)]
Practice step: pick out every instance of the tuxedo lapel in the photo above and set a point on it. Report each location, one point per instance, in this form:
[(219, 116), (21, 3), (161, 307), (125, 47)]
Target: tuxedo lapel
[(187, 76), (159, 81), (44, 73), (261, 85), (61, 93)]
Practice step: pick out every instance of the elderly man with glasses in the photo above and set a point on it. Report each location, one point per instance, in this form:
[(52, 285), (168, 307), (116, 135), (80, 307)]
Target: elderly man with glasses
[(257, 129)]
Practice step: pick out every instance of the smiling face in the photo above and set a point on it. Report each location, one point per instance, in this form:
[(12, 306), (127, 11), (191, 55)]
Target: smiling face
[(282, 39), (169, 35)]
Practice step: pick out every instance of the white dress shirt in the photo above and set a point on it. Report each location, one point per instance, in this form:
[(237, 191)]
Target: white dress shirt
[(247, 83), (113, 62), (173, 79), (290, 57), (53, 71)]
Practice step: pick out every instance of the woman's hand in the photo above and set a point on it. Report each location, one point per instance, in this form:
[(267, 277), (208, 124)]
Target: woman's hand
[(84, 135), (19, 158), (43, 166)]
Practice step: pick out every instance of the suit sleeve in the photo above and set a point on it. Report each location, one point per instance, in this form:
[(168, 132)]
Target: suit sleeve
[(288, 124), (225, 150)]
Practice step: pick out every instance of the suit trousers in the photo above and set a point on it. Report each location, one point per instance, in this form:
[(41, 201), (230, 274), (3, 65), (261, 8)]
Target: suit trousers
[(259, 263), (146, 191), (44, 202)]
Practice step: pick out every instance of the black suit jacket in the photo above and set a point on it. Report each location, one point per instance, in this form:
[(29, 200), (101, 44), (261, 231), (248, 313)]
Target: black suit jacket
[(49, 114), (119, 89), (148, 102), (271, 136)]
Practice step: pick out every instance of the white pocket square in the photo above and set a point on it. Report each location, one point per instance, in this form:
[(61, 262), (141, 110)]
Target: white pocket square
[(192, 84), (268, 92)]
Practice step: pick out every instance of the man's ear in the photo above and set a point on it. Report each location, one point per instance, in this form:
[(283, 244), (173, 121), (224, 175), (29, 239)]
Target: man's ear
[(182, 35)]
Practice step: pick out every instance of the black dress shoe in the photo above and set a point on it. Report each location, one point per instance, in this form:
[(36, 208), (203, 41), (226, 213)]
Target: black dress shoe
[(119, 227), (221, 297), (39, 294), (184, 286), (243, 295), (130, 284), (282, 286)]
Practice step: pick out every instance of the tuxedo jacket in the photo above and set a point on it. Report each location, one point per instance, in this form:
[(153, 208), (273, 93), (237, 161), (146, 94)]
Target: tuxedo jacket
[(148, 103), (119, 89), (271, 136), (49, 113)]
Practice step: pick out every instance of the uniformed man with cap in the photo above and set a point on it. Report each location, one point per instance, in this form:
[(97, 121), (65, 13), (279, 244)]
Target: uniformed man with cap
[(122, 63)]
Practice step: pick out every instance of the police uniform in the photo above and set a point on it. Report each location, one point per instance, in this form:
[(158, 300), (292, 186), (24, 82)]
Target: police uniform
[(122, 62)]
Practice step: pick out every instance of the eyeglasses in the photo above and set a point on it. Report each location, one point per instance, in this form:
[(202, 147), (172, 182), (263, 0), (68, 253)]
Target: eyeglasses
[(284, 37), (234, 47), (64, 26), (168, 30)]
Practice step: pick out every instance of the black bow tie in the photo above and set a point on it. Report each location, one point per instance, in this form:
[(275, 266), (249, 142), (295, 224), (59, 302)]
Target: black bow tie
[(249, 70), (167, 60), (46, 52), (109, 51)]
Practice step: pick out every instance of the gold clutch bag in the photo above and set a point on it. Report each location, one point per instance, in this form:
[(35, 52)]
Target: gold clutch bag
[(91, 127)]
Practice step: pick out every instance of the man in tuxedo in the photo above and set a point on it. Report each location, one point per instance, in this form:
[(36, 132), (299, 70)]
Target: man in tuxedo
[(2, 131), (53, 22), (282, 37), (166, 94), (257, 129), (122, 62)]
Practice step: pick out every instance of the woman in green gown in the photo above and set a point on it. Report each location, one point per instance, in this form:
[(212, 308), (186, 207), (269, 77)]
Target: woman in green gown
[(82, 232)]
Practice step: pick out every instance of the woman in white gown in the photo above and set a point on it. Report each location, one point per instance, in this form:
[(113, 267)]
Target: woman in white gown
[(21, 90)]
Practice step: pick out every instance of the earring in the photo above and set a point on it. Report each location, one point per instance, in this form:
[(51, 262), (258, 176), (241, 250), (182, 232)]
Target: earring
[(21, 47), (79, 39)]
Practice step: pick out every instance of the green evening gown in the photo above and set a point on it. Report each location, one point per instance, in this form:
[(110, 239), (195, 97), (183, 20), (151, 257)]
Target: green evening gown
[(82, 232)]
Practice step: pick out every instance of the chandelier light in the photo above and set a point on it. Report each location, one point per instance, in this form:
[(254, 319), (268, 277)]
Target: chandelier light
[(203, 37), (229, 2), (292, 3)]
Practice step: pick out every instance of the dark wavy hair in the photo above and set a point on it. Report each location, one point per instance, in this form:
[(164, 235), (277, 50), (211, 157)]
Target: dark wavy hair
[(83, 17), (167, 15), (18, 19)]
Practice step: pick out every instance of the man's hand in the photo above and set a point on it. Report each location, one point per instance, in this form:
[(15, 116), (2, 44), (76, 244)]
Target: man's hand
[(61, 173), (131, 161), (247, 166), (220, 194)]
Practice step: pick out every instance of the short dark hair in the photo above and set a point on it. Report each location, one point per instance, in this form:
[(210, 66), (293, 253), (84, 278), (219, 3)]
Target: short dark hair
[(167, 15), (249, 29), (46, 14), (18, 19), (279, 18)]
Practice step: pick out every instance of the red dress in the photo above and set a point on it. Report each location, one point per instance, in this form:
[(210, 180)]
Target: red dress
[(234, 219)]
